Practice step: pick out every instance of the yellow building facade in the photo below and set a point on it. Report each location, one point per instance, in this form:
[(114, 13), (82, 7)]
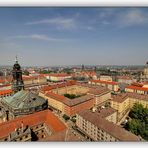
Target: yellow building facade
[(125, 103)]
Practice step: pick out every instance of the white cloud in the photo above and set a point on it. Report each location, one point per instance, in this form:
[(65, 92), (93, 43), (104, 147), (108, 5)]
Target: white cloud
[(36, 37), (61, 23), (104, 22), (123, 17), (107, 12), (89, 28), (131, 18)]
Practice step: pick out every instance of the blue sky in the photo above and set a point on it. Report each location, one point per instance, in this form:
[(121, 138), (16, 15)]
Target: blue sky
[(71, 36)]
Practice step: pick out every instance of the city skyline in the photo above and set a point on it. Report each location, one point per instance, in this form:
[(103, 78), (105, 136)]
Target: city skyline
[(74, 36)]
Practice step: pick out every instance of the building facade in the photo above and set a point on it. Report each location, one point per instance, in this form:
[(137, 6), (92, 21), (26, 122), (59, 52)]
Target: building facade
[(113, 86), (97, 128), (124, 102), (33, 127), (89, 96)]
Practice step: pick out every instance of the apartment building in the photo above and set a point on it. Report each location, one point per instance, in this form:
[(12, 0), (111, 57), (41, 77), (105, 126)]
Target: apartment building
[(124, 102), (113, 86), (97, 128)]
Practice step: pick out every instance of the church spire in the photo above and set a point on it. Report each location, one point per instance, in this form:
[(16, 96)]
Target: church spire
[(16, 60), (17, 82)]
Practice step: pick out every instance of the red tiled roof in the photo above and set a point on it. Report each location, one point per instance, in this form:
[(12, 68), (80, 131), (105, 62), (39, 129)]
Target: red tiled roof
[(25, 78), (125, 77), (67, 101), (138, 96), (44, 75), (137, 84), (105, 82), (45, 116), (98, 91), (59, 75), (2, 81), (56, 96), (63, 136), (137, 88), (7, 79), (4, 85), (68, 83), (84, 73), (88, 73), (119, 98), (122, 97), (5, 92)]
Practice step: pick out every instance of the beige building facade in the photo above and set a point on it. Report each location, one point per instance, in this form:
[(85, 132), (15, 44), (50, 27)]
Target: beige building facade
[(99, 129), (123, 103), (113, 86), (89, 97)]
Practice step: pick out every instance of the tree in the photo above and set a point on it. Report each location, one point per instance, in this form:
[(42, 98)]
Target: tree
[(45, 72), (139, 112), (133, 126), (66, 117), (26, 73), (139, 123), (71, 96)]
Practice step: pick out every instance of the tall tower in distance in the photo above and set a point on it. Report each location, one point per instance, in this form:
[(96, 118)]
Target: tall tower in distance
[(82, 67), (146, 71), (17, 82)]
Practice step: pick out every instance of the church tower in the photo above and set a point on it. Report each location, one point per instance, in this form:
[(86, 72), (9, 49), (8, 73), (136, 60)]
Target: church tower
[(82, 67), (17, 82), (146, 72)]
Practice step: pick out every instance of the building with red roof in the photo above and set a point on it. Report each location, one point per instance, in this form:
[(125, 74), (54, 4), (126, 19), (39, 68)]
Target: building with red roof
[(57, 77), (137, 88), (32, 127), (89, 96), (108, 84), (4, 93), (125, 79), (2, 81)]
